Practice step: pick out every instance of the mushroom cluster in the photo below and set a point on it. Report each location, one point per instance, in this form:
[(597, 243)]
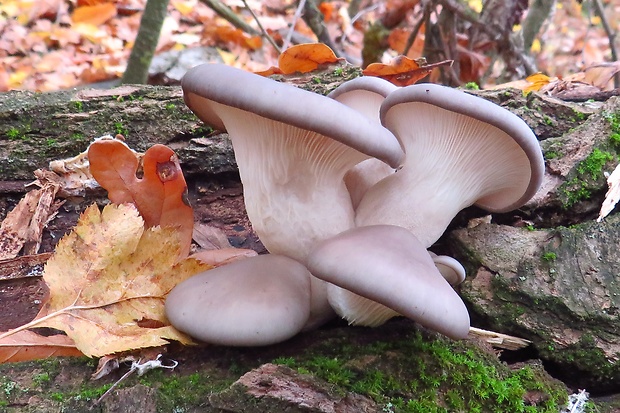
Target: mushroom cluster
[(347, 192)]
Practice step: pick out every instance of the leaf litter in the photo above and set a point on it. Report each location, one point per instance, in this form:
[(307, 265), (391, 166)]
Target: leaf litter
[(108, 280)]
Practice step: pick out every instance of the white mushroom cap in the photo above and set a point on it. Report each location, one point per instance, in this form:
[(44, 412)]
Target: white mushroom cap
[(293, 148), (251, 302), (364, 94), (388, 265), (450, 268), (460, 150)]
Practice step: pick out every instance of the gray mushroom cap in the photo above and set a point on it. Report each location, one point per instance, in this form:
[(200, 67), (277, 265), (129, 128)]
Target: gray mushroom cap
[(460, 150), (506, 197), (388, 265), (293, 148), (364, 94), (287, 104), (252, 302)]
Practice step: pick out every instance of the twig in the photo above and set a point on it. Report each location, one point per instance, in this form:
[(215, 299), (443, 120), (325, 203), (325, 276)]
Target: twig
[(296, 16), (269, 38), (314, 19), (226, 13), (140, 368), (499, 340), (611, 35), (416, 30)]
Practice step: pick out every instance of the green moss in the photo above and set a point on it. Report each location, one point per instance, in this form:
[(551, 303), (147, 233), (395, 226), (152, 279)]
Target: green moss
[(594, 163), (119, 128), (77, 136), (42, 379), (171, 106), (552, 155), (549, 256), (588, 172), (472, 86), (580, 116), (431, 375), (547, 120), (317, 80), (13, 134), (338, 71), (181, 393), (614, 123), (79, 105)]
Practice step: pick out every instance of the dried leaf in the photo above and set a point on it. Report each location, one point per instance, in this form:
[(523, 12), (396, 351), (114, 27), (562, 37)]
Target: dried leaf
[(160, 195), (219, 257), (601, 75), (613, 194), (108, 275), (403, 71), (271, 71), (26, 345), (398, 40), (96, 14), (536, 82), (229, 34), (23, 226), (304, 58)]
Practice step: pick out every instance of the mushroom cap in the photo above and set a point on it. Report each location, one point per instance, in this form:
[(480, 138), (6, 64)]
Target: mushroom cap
[(364, 94), (508, 128), (387, 264), (284, 103), (450, 268), (252, 302)]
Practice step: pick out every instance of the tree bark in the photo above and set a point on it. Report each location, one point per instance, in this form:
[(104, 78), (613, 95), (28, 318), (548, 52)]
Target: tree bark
[(137, 71)]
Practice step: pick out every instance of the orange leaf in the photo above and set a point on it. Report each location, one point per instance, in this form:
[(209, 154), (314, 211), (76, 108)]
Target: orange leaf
[(537, 80), (398, 40), (95, 15), (271, 71), (231, 35), (403, 71), (26, 345), (328, 10), (160, 195), (305, 58)]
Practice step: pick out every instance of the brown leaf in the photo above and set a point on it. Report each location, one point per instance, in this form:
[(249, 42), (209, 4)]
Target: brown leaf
[(304, 58), (398, 40), (160, 195), (106, 276), (23, 226), (26, 345), (229, 34), (403, 71)]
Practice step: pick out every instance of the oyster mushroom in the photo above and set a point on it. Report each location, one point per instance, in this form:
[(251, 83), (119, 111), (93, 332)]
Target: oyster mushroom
[(460, 150), (292, 148), (250, 302), (364, 94), (388, 265)]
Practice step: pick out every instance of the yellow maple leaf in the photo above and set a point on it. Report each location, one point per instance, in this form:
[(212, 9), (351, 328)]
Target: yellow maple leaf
[(108, 280)]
